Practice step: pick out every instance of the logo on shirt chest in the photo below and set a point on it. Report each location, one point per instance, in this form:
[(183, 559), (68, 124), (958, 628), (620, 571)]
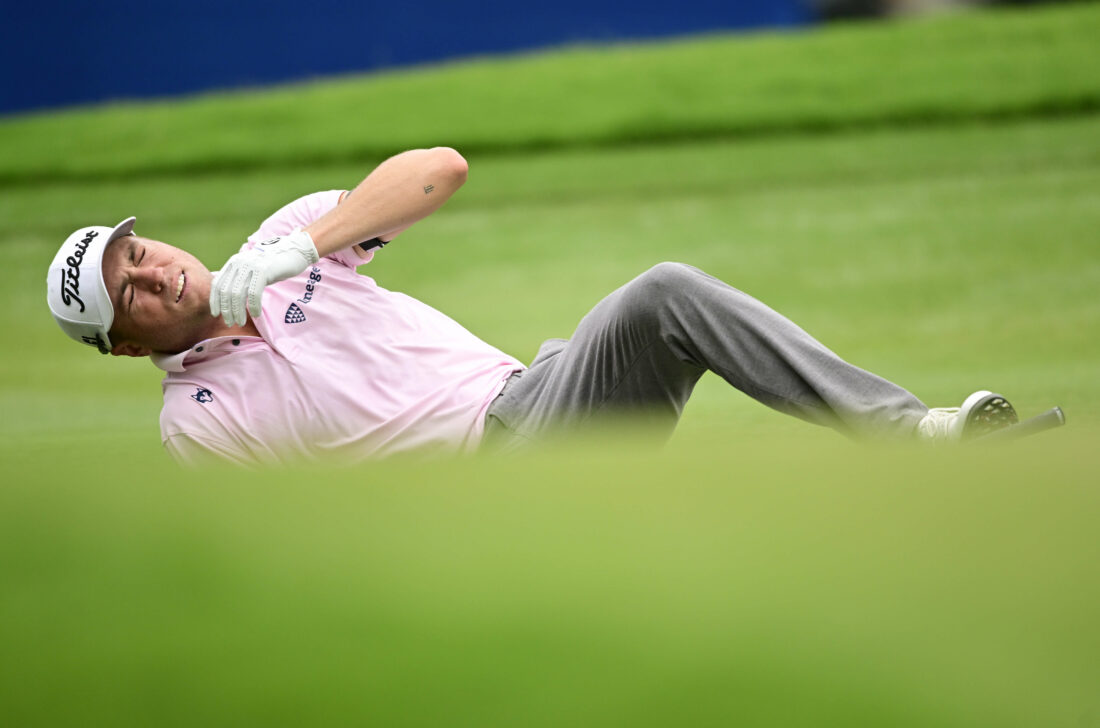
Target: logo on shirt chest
[(294, 313), (203, 395)]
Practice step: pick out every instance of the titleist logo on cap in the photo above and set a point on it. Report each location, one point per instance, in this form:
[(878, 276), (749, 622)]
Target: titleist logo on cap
[(70, 279)]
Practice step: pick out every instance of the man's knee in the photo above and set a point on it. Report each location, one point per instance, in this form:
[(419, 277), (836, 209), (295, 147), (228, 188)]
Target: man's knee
[(654, 290), (668, 276)]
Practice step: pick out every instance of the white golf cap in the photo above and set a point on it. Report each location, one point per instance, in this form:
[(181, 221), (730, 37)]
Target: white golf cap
[(75, 288)]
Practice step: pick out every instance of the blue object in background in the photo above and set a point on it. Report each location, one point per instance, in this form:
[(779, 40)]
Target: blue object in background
[(80, 52)]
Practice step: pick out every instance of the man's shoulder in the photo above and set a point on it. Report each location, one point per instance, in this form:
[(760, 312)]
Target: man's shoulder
[(296, 214), (218, 372), (215, 396), (227, 403)]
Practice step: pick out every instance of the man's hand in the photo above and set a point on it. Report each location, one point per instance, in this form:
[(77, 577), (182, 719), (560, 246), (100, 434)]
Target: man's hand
[(245, 274)]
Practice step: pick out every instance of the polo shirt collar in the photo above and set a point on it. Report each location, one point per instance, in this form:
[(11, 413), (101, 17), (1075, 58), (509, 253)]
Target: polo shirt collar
[(200, 351)]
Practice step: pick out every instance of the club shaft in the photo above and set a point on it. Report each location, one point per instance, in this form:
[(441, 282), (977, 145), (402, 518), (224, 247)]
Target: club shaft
[(1053, 417)]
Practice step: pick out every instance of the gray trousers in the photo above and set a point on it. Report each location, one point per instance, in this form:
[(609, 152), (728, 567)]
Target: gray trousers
[(641, 350)]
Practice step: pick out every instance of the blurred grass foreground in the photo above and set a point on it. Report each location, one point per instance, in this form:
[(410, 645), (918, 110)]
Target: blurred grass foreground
[(922, 196)]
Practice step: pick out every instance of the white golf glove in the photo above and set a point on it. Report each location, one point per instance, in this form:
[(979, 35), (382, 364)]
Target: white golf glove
[(244, 276)]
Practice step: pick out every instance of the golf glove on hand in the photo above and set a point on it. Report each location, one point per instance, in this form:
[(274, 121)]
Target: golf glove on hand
[(245, 274)]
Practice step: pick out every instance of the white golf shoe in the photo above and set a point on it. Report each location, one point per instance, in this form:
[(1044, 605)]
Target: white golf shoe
[(982, 413)]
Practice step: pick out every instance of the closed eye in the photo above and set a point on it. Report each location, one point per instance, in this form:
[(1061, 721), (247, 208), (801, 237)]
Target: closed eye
[(135, 260)]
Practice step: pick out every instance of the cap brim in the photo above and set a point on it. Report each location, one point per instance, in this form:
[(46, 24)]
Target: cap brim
[(124, 228)]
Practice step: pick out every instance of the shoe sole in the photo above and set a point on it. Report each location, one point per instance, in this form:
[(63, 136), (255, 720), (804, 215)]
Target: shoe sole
[(986, 412)]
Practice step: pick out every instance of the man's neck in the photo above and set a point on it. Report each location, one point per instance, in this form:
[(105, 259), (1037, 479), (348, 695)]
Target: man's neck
[(221, 330), (249, 329), (174, 362)]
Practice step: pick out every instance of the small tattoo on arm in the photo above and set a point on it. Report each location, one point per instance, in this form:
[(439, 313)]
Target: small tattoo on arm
[(428, 189)]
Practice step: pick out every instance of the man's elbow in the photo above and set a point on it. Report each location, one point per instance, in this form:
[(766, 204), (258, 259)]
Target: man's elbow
[(452, 165)]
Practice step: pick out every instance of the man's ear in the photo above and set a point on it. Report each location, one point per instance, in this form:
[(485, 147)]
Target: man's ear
[(128, 349)]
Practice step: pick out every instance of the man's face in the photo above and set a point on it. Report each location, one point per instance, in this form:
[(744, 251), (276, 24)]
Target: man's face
[(161, 297)]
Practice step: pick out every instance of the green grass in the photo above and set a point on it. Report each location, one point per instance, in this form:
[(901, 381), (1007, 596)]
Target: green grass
[(947, 259), (992, 66), (584, 587), (756, 570)]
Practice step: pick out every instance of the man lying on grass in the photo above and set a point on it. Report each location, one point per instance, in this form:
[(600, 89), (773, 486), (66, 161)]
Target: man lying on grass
[(288, 353)]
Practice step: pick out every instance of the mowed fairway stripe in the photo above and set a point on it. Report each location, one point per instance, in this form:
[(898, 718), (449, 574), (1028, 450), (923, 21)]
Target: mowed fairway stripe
[(947, 260)]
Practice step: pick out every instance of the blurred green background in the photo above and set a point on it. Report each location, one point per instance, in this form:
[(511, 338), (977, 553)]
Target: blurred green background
[(922, 196)]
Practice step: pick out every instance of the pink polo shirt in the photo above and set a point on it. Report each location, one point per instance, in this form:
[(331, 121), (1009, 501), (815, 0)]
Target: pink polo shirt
[(345, 369)]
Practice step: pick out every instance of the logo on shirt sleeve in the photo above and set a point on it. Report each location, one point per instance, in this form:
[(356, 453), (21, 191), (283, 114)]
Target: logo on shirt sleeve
[(294, 315), (203, 395)]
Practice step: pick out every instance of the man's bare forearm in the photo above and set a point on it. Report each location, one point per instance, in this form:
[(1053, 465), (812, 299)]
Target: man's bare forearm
[(400, 191)]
